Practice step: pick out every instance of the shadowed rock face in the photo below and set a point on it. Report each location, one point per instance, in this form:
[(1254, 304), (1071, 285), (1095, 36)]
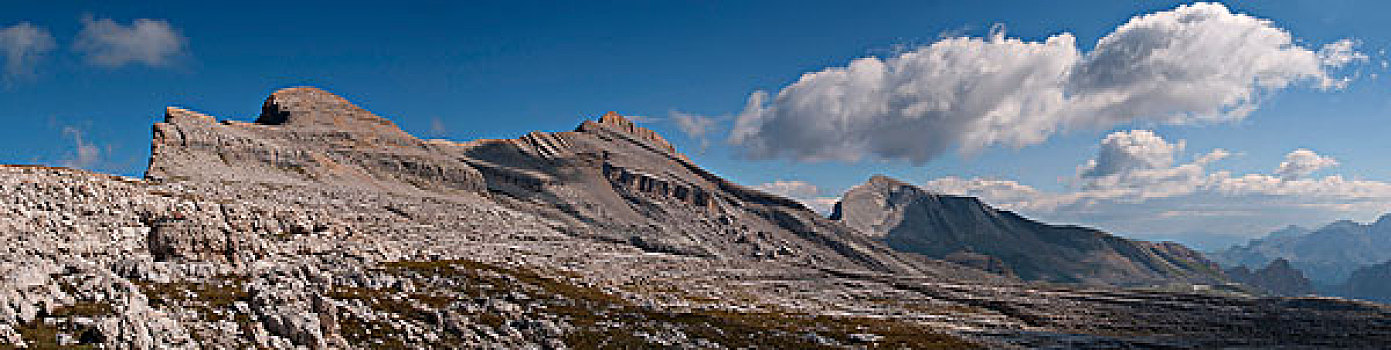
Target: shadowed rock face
[(911, 219)]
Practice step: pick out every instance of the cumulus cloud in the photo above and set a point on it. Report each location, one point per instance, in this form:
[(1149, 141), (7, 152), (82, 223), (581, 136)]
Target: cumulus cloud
[(1153, 193), (801, 191), (1195, 63), (150, 42), (1129, 150), (1303, 162), (23, 45), (695, 126)]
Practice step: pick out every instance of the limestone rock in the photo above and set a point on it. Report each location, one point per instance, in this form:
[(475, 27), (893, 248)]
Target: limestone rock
[(304, 135)]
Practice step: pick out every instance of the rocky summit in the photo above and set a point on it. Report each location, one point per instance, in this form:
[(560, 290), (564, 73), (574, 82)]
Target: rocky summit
[(964, 229), (321, 225)]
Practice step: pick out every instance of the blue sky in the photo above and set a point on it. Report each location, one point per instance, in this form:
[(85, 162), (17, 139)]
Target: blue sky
[(467, 70)]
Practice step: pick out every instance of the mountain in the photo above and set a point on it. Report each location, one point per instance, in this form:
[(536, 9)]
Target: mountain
[(1327, 255), (912, 219), (1278, 278), (608, 179), (320, 225), (1369, 283)]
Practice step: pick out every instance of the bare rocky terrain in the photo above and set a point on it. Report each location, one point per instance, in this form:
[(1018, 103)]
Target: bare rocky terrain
[(321, 225), (966, 230)]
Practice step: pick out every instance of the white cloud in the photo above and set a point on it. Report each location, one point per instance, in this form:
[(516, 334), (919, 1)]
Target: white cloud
[(1303, 162), (789, 188), (1153, 197), (695, 126), (1196, 63), (1341, 53), (1129, 150), (642, 119), (801, 191), (150, 42), (23, 45), (85, 155)]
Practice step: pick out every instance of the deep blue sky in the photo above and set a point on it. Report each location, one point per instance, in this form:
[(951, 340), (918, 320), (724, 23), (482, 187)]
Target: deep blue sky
[(500, 69)]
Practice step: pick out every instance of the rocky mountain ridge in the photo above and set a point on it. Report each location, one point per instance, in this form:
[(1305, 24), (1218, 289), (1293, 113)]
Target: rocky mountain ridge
[(322, 225), (909, 218), (1278, 278), (1327, 255), (1368, 283)]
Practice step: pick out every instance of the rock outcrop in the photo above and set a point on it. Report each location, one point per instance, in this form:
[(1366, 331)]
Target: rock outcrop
[(322, 226), (912, 219), (304, 135)]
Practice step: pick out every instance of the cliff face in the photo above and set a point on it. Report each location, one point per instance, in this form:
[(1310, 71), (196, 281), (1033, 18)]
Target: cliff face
[(911, 219)]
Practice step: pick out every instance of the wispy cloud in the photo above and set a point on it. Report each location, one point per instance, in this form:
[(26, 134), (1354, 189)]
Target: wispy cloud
[(23, 45), (1135, 175), (85, 155), (1197, 63), (149, 42), (438, 128), (801, 191), (695, 126)]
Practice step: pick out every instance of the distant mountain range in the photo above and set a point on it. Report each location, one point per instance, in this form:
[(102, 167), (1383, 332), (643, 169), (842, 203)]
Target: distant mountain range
[(1343, 258), (965, 230), (1277, 278)]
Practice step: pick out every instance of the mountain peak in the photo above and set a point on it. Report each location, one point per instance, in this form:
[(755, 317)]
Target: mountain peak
[(1383, 221), (909, 218), (614, 118), (311, 107), (614, 121), (880, 179)]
